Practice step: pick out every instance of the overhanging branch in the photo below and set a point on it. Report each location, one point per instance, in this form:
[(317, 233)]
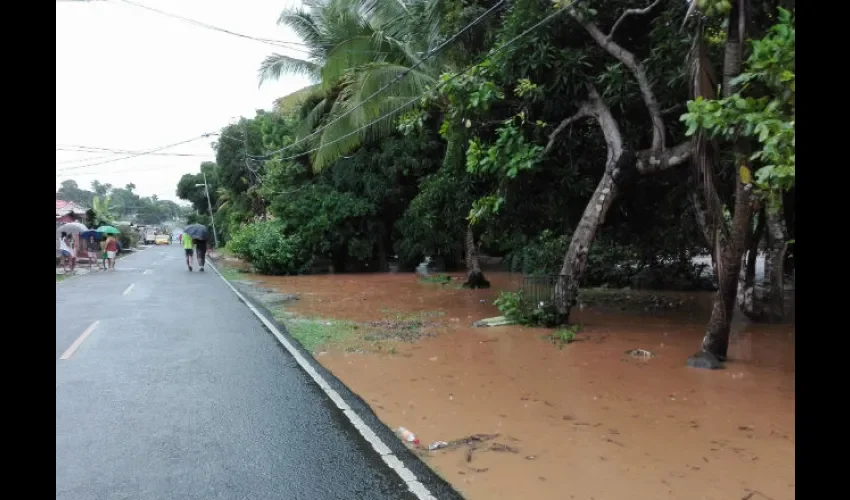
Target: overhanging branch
[(650, 161), (636, 68), (583, 111), (632, 12)]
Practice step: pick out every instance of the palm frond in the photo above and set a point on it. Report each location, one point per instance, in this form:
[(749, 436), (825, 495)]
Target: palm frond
[(304, 24), (336, 139), (703, 84), (373, 77), (276, 65), (313, 119), (348, 55)]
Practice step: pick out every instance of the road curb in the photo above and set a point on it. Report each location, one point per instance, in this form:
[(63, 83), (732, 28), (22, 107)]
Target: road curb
[(420, 479)]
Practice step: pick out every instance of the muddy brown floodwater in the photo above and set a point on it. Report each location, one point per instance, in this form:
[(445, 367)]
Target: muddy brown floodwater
[(584, 422)]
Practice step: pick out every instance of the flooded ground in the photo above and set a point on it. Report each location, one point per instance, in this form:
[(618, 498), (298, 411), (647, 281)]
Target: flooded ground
[(583, 422)]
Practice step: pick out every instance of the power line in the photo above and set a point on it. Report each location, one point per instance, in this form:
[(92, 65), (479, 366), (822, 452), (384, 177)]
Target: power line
[(398, 78), (278, 43), (140, 153), (93, 149), (111, 154), (439, 85), (111, 172)]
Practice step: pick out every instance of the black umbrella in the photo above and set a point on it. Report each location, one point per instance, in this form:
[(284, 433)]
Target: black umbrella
[(197, 231)]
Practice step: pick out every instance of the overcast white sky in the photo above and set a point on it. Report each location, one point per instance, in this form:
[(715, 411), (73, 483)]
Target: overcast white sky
[(131, 79)]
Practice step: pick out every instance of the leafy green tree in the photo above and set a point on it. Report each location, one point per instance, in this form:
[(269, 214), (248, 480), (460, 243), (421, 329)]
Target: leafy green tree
[(188, 187), (70, 191)]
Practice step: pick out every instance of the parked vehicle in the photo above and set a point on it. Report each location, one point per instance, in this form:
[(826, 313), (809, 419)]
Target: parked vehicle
[(161, 239), (150, 236)]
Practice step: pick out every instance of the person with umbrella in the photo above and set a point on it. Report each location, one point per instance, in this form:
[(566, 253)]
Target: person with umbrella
[(111, 244), (92, 246), (69, 254), (197, 234), (67, 248)]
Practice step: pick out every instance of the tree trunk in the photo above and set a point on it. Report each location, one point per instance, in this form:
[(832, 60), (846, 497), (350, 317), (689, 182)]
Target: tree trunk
[(575, 261), (729, 248), (774, 264), (383, 261), (730, 252), (474, 277), (750, 293)]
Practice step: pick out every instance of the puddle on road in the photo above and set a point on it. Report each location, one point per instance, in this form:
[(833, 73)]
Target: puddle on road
[(586, 421)]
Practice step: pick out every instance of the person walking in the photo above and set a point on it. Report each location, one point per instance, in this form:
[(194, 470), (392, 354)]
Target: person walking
[(93, 250), (103, 259), (201, 253), (111, 251), (186, 240)]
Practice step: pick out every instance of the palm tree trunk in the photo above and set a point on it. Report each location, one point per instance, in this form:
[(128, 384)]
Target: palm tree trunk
[(474, 277), (729, 249)]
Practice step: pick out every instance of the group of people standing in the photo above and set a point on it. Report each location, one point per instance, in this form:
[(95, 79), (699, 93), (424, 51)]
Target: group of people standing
[(103, 252)]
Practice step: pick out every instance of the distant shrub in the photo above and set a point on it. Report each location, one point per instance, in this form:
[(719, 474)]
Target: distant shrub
[(517, 308), (269, 250), (128, 237)]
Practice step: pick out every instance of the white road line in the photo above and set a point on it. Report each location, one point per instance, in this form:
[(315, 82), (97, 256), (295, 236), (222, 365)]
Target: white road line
[(147, 271), (70, 352), (410, 479), (127, 290)]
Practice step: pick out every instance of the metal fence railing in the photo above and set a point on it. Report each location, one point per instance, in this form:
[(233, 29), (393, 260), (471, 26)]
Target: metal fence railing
[(541, 290)]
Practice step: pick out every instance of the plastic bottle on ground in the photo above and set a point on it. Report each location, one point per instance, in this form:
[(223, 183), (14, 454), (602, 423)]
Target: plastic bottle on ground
[(406, 435)]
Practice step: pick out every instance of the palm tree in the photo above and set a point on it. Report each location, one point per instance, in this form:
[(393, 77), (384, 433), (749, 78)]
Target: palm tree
[(354, 48)]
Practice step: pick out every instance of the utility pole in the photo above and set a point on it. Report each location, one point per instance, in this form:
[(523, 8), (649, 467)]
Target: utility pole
[(209, 204)]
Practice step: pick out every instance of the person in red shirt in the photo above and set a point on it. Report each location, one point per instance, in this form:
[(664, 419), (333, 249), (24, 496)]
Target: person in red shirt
[(111, 251)]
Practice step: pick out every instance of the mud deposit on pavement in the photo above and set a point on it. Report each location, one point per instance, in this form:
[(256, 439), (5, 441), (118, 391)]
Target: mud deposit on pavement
[(586, 421)]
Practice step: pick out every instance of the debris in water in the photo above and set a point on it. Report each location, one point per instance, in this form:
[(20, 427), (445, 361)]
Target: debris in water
[(406, 435), (436, 445), (497, 321), (503, 448), (640, 353)]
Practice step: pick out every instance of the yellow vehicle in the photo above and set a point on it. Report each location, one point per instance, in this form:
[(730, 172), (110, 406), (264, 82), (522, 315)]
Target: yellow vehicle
[(161, 239)]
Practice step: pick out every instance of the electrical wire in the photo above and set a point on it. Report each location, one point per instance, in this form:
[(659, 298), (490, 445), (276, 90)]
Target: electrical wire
[(439, 85), (118, 152), (398, 78), (278, 43), (140, 153), (382, 117), (110, 172)]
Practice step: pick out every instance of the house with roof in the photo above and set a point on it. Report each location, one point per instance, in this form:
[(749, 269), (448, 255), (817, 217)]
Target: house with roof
[(68, 211)]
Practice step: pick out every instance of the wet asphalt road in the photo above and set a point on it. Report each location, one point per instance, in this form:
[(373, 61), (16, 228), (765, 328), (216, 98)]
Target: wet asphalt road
[(180, 393)]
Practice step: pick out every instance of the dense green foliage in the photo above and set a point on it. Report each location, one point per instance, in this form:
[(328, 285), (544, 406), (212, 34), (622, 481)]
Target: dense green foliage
[(108, 204), (476, 136), (764, 108), (269, 249)]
